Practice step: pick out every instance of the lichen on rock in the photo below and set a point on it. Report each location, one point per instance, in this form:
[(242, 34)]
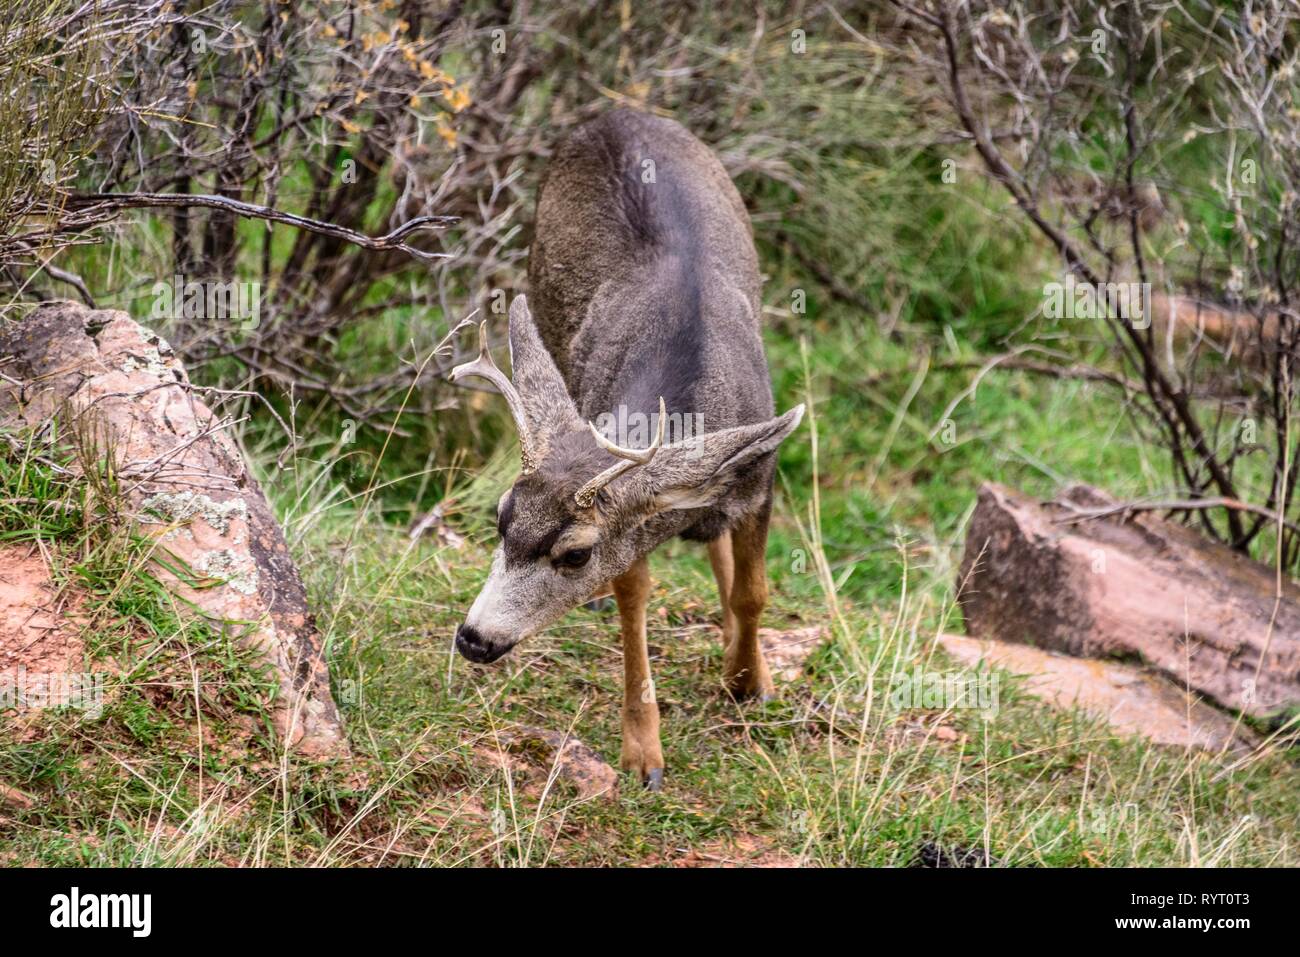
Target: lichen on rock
[(235, 570), (184, 506), (150, 361)]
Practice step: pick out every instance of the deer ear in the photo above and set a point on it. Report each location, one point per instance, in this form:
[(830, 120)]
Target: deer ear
[(698, 472), (546, 399)]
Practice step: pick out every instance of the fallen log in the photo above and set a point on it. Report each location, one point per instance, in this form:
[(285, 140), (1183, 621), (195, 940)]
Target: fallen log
[(1180, 322), (185, 482), (1081, 575)]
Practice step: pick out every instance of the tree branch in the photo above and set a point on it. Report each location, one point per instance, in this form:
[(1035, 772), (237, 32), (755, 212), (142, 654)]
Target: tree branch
[(392, 240)]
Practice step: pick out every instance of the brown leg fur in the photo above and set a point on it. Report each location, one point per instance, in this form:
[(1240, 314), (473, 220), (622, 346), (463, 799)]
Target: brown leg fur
[(724, 573), (743, 669), (641, 750)]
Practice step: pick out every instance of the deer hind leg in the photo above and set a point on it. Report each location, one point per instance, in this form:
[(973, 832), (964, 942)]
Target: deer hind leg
[(744, 671), (601, 599), (724, 572), (641, 749)]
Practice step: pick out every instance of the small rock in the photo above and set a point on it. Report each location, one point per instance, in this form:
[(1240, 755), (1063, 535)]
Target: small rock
[(16, 799), (1132, 701), (786, 651), (573, 761)]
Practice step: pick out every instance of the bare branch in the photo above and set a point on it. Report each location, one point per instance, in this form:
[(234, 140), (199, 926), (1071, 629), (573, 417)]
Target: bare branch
[(391, 240)]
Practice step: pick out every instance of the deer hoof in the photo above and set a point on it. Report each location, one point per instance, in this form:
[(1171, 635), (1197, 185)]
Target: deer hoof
[(654, 779), (743, 691)]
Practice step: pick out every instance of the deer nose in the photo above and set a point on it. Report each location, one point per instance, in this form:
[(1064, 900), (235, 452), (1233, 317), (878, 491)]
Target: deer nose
[(478, 649)]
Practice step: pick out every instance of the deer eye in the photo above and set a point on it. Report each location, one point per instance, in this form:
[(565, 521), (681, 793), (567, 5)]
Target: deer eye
[(573, 558)]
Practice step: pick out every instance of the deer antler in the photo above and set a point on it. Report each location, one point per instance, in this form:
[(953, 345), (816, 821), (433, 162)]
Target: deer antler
[(485, 368), (631, 458)]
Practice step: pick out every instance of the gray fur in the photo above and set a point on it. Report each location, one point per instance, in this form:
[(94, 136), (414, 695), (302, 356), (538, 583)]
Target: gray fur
[(641, 290)]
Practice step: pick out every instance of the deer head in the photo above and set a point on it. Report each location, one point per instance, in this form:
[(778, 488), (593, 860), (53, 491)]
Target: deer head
[(583, 509)]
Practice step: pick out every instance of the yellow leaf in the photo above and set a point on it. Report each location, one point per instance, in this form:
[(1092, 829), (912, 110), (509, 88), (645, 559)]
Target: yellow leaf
[(445, 131), (350, 126), (457, 99)]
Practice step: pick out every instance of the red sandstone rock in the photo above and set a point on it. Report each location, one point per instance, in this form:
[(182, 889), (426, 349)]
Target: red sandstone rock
[(185, 482), (1131, 586)]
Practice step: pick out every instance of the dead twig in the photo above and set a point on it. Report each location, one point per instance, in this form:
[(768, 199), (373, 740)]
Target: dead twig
[(391, 240), (1081, 514)]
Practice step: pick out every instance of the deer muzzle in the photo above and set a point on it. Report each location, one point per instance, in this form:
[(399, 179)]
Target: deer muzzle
[(478, 648)]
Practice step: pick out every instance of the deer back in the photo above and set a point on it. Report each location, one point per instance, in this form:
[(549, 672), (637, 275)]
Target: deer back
[(644, 277)]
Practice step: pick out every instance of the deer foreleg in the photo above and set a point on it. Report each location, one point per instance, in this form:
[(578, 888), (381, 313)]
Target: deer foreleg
[(744, 671), (641, 749)]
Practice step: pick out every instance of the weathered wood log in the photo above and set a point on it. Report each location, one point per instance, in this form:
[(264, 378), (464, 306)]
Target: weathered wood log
[(1131, 585), (185, 482)]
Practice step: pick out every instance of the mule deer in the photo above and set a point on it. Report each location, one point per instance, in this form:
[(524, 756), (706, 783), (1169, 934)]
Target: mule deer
[(646, 289)]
